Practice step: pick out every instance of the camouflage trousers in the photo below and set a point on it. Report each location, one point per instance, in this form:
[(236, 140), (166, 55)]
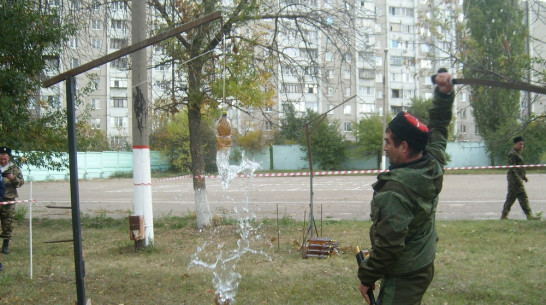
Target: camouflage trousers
[(516, 190), (406, 289), (7, 214)]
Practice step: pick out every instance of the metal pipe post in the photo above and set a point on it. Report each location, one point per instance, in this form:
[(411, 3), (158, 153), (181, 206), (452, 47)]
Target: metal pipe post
[(74, 189)]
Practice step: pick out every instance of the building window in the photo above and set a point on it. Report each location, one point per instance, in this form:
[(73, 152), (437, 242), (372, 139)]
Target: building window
[(119, 102), (288, 70), (463, 96), (268, 126), (401, 11), (52, 63), (118, 83), (117, 43), (268, 109), (118, 142), (292, 88), (96, 24), (96, 43), (95, 104), (463, 129), (347, 91), (75, 4), (408, 94), (311, 71), (330, 91), (95, 84), (396, 93), (74, 42), (330, 107), (329, 56), (394, 44), (367, 108), (347, 109), (120, 63), (396, 60), (364, 90), (119, 24), (162, 67), (74, 62), (120, 122), (164, 85), (53, 101), (366, 73), (329, 73), (95, 123), (396, 110), (348, 127), (463, 113), (119, 5), (406, 28), (346, 74)]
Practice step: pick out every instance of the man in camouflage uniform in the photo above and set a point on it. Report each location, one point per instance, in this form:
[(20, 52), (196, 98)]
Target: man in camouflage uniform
[(516, 176), (13, 179), (403, 234)]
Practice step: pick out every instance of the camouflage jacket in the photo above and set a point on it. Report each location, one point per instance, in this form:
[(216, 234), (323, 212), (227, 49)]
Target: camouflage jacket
[(403, 208), (515, 173), (2, 189), (12, 185)]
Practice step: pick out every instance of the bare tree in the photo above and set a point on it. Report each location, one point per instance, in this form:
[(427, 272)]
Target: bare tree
[(238, 62)]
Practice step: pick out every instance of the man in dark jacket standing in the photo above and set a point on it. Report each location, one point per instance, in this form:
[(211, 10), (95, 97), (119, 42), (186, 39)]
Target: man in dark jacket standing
[(403, 208), (515, 177)]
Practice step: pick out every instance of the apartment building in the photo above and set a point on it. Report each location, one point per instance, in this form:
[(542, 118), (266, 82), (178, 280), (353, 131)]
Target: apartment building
[(391, 62), (103, 29)]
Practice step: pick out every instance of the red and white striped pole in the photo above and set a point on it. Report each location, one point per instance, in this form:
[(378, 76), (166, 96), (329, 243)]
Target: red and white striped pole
[(142, 191)]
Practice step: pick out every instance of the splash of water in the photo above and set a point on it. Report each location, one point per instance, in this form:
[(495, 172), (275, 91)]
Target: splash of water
[(225, 278), (228, 172)]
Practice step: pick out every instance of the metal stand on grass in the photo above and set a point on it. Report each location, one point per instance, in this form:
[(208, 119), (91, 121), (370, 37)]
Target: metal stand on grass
[(319, 247)]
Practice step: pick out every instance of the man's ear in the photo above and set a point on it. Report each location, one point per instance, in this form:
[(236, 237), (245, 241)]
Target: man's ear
[(405, 146)]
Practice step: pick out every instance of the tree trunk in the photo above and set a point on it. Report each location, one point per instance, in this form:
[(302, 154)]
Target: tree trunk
[(202, 208)]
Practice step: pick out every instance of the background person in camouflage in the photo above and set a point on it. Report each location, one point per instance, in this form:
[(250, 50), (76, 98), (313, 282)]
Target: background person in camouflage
[(13, 179), (515, 177)]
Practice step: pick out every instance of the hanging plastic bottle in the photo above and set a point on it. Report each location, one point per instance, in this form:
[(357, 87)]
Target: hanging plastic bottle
[(223, 140)]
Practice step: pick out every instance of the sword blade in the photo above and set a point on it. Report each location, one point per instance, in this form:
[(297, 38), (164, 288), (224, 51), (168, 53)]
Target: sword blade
[(493, 83)]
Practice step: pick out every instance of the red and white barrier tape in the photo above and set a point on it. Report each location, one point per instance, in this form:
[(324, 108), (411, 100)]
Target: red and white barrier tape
[(16, 201), (353, 172), (496, 167)]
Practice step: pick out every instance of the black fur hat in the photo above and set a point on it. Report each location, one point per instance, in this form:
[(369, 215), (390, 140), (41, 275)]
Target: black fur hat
[(408, 128), (5, 150), (518, 139)]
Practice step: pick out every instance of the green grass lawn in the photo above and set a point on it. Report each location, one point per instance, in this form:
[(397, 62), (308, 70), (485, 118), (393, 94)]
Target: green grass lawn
[(478, 262)]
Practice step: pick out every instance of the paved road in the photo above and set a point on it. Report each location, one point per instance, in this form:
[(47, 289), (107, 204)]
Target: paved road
[(339, 197)]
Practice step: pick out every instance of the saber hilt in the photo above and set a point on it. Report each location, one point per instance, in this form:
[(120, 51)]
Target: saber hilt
[(359, 259)]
